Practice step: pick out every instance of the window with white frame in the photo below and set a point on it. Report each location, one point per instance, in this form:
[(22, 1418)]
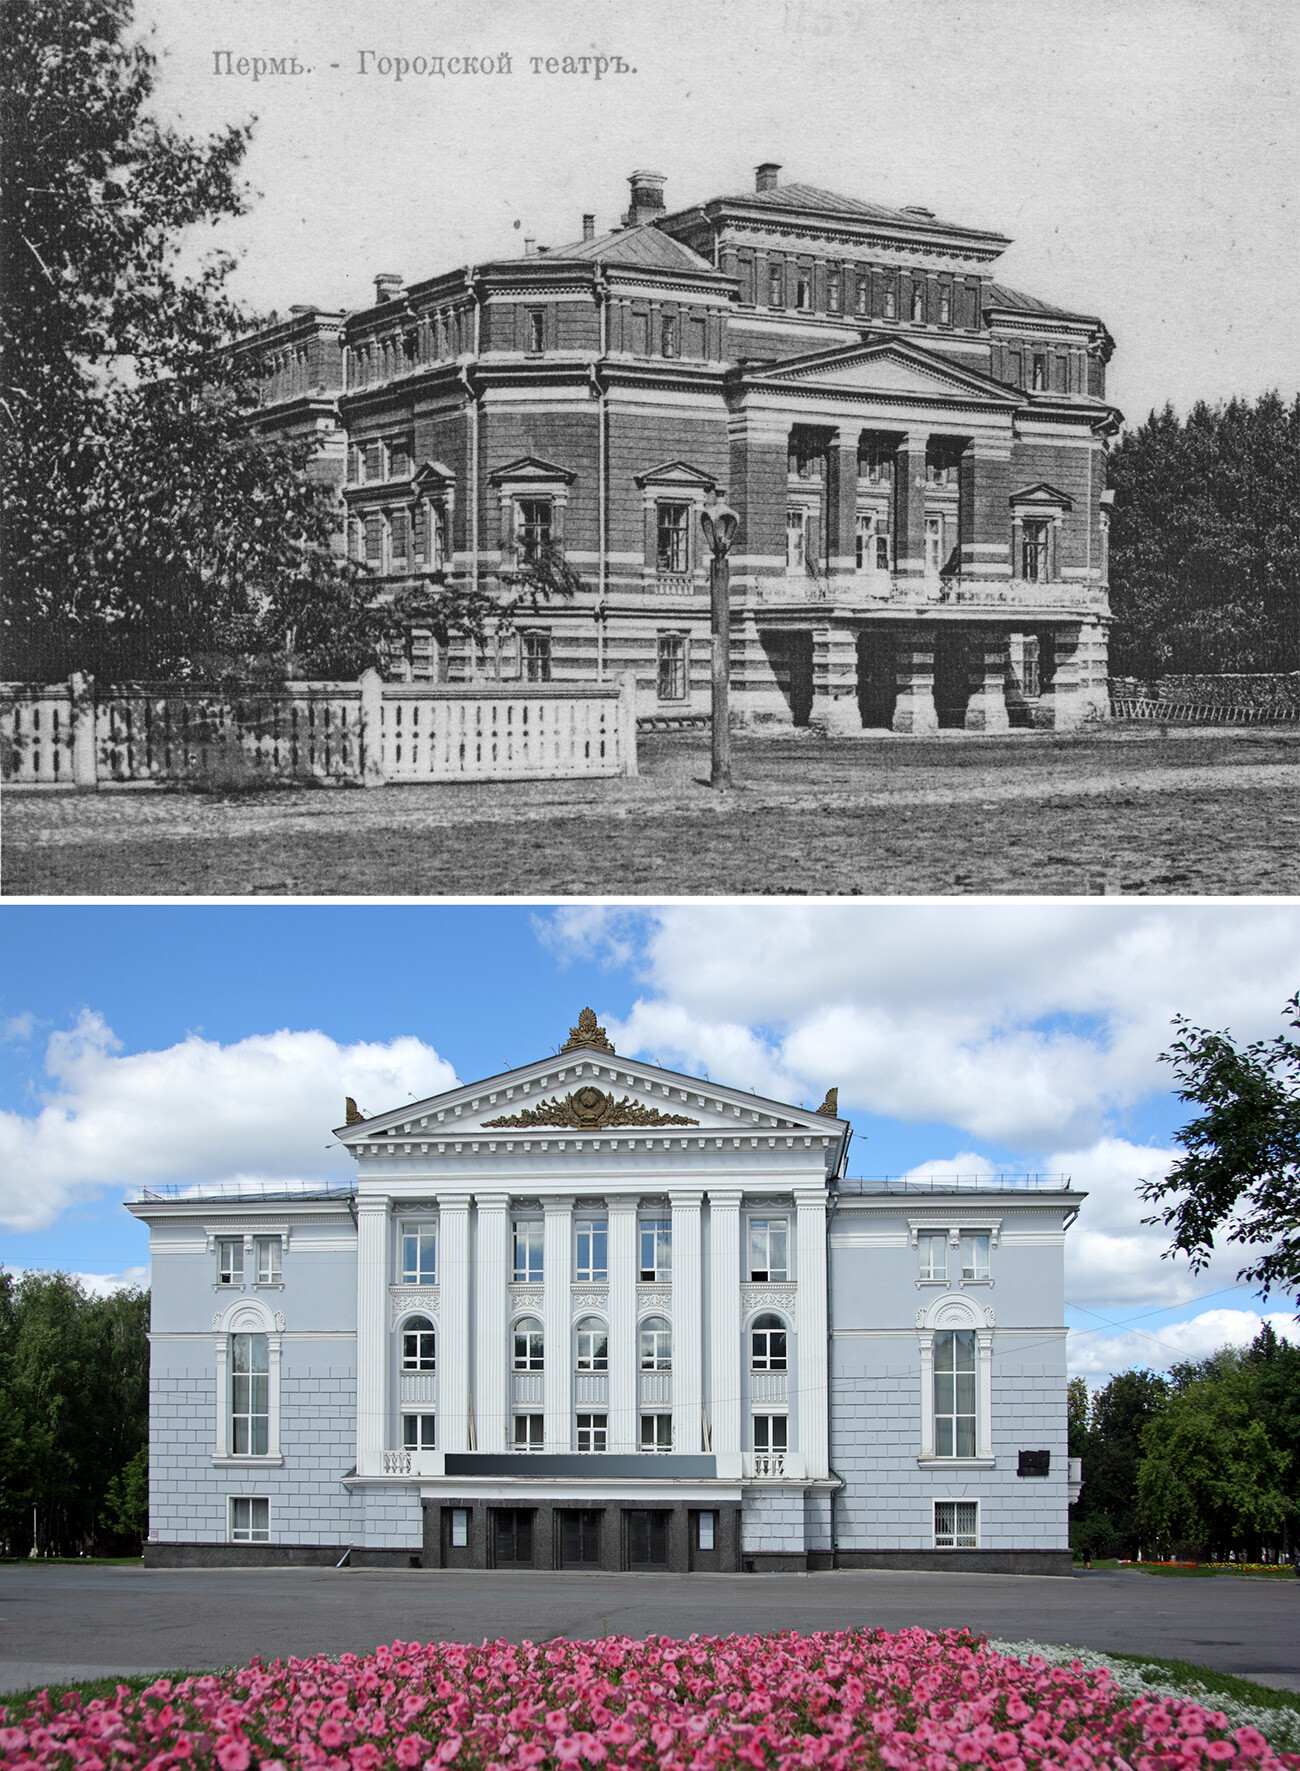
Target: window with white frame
[(834, 292), (529, 1343), (656, 1344), (530, 1432), (591, 1251), (459, 1533), (803, 290), (871, 542), (669, 336), (418, 1344), (934, 552), (536, 644), (767, 1343), (656, 1432), (706, 1526), (528, 1251), (656, 1249), (419, 1254), (534, 526), (776, 284), (954, 1393), (974, 1254), (419, 1432), (796, 538), (956, 1524), (593, 1432), (770, 1443), (670, 661), (769, 1249), (267, 1251), (250, 1519), (230, 1260), (932, 1247), (250, 1396), (592, 1349), (672, 536), (1035, 537), (918, 301), (537, 329)]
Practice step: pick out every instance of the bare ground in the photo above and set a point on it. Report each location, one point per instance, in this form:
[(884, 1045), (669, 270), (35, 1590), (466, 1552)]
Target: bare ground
[(1117, 812)]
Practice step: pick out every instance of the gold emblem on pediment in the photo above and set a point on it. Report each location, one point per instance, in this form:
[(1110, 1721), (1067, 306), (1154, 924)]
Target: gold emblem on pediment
[(587, 1034), (590, 1109)]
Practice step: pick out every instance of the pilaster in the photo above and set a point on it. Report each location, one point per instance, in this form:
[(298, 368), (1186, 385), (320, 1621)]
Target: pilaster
[(983, 512), (759, 446), (984, 1401), (914, 709), (811, 1255), (372, 1333), (557, 1315), (909, 506), (453, 1322), (835, 707), (492, 1308), (842, 506), (724, 1327), (687, 1321), (623, 1432)]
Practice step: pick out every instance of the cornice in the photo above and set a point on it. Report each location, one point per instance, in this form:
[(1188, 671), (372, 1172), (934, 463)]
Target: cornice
[(581, 1143), (868, 235)]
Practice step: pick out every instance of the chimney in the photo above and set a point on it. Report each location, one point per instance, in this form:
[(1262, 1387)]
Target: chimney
[(300, 307), (388, 286), (647, 198), (589, 227), (530, 245), (917, 209), (765, 175)]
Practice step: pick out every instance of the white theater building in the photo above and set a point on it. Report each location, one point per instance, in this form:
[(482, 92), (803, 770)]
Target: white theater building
[(591, 1313)]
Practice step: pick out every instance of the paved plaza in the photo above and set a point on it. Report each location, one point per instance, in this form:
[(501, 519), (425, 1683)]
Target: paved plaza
[(61, 1623)]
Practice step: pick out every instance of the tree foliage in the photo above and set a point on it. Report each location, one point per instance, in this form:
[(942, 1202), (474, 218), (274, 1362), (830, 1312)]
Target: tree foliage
[(1240, 1171), (1205, 540), (74, 1390), (1111, 1452)]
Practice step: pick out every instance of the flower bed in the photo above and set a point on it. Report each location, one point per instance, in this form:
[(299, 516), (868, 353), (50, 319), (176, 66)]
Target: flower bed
[(913, 1701)]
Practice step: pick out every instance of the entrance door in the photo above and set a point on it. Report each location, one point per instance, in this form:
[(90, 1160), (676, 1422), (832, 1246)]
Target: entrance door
[(951, 676), (580, 1540), (877, 678), (512, 1538), (647, 1540)]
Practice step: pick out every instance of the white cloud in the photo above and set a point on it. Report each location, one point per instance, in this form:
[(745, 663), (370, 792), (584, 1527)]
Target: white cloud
[(260, 1109), (99, 1285), (1098, 1355)]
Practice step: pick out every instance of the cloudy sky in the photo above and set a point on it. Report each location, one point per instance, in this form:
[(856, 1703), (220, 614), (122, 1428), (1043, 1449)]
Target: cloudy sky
[(153, 1044), (1142, 154)]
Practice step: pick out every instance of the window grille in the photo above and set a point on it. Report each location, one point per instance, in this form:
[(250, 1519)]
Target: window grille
[(956, 1524)]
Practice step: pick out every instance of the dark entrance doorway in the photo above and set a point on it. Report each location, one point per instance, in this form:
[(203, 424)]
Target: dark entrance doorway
[(580, 1539), (951, 677), (790, 653), (512, 1538), (877, 678), (647, 1540)]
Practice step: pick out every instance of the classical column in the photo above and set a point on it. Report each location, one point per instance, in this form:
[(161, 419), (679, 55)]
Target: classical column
[(986, 710), (491, 1356), (373, 1334), (842, 506), (724, 1328), (926, 1340), (623, 1363), (914, 709), (983, 509), (984, 1404), (835, 707), (557, 1316), (909, 507), (814, 1398), (453, 1322), (688, 1374)]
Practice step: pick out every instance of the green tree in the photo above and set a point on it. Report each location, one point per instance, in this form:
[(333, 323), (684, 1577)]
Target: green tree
[(1106, 1511), (1078, 1409), (1240, 1171), (1205, 540)]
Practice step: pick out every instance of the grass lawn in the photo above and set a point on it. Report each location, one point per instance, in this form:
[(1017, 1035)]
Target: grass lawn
[(1117, 812)]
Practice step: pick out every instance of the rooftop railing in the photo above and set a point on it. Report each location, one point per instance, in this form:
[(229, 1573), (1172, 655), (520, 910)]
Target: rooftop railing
[(175, 1191), (974, 1183)]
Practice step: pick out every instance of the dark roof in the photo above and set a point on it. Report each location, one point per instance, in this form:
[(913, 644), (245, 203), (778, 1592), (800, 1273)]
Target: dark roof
[(646, 245), (1000, 296), (811, 197)]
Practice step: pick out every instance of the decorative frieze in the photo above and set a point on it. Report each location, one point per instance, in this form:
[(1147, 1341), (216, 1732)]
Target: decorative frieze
[(769, 1297), (403, 1298)]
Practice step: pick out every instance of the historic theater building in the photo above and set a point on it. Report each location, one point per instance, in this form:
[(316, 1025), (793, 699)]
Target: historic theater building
[(916, 453), (591, 1313)]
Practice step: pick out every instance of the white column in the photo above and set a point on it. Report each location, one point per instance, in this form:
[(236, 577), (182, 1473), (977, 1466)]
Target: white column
[(557, 1315), (814, 1412), (724, 1329), (221, 1443), (926, 1341), (624, 1434), (688, 1374), (984, 1401), (372, 1334), (273, 1368), (491, 1362), (453, 1322)]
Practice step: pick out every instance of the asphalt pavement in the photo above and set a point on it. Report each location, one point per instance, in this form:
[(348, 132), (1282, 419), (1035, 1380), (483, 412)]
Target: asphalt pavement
[(61, 1623)]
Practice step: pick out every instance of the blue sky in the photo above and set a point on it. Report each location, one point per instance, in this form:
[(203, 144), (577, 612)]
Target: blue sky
[(191, 1043)]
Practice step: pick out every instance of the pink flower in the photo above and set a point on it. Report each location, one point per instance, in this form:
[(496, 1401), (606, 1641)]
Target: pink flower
[(233, 1753), (448, 1750), (331, 1732), (409, 1751)]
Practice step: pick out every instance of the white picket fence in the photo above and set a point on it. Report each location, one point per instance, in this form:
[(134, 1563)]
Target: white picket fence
[(76, 734)]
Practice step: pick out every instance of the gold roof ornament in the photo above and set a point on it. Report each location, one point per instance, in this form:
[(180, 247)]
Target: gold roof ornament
[(591, 1109), (831, 1105), (587, 1033), (354, 1117)]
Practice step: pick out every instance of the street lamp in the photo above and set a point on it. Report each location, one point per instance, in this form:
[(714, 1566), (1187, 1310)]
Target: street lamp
[(720, 523)]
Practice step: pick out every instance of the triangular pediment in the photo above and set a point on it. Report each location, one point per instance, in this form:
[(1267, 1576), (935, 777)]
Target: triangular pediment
[(891, 368), (433, 473), (530, 468), (1042, 494), (677, 474)]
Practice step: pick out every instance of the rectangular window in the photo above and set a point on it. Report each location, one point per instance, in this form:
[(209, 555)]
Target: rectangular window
[(769, 1246), (770, 1447), (375, 542), (1040, 372), (530, 1432), (891, 300), (1033, 549), (268, 1260), (460, 1528), (876, 459), (954, 1393), (250, 1519), (672, 667), (933, 1248), (250, 1393), (656, 1432), (536, 655), (974, 1254), (656, 1249), (668, 336), (230, 1260), (945, 304), (399, 460), (834, 292), (533, 526), (918, 301), (776, 284), (706, 1530), (528, 1251), (672, 537), (418, 1432), (591, 1262), (803, 291), (536, 329), (419, 1254), (1029, 665), (933, 546), (796, 539), (956, 1524), (399, 530), (862, 293), (372, 462), (882, 553), (592, 1432)]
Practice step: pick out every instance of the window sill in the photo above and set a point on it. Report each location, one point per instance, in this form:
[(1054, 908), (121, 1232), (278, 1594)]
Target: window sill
[(957, 1463), (271, 1461), (229, 1288), (269, 1285)]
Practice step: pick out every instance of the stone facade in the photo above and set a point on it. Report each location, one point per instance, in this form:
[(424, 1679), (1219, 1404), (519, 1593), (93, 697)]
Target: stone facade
[(593, 1313), (916, 453)]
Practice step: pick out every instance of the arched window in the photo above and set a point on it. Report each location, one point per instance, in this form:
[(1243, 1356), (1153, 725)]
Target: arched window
[(656, 1345), (593, 1345), (417, 1344), (767, 1344), (528, 1344)]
